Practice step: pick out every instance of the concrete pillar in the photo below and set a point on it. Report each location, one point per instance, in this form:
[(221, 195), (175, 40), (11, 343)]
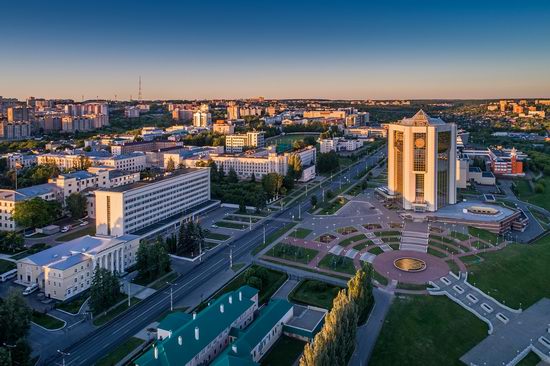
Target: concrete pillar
[(111, 263)]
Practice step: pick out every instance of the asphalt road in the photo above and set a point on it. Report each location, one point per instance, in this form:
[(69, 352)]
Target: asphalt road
[(101, 341)]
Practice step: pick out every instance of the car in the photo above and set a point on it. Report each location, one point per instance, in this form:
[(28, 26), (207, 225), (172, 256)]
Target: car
[(29, 290), (83, 223), (64, 229)]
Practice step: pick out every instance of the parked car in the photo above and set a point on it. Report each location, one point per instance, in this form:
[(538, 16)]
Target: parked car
[(66, 228), (29, 290)]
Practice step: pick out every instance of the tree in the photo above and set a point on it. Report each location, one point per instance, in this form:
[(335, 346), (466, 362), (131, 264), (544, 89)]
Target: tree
[(190, 239), (152, 260), (15, 318), (36, 212), (253, 178), (327, 162), (76, 204), (104, 291), (272, 184), (232, 176), (360, 291), (313, 200), (242, 207), (170, 165), (295, 166)]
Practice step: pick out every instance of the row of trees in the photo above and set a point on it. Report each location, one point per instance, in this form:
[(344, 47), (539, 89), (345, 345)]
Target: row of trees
[(15, 318), (328, 162), (104, 291), (189, 241), (335, 342)]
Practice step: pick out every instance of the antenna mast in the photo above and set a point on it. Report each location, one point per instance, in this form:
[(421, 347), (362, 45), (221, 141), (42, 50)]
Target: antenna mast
[(139, 93)]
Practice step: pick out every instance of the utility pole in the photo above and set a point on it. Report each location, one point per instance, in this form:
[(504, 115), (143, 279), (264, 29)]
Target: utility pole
[(171, 296), (129, 294), (299, 212), (250, 223), (264, 235), (230, 257)]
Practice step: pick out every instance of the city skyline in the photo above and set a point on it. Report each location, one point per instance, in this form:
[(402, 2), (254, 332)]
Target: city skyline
[(400, 50)]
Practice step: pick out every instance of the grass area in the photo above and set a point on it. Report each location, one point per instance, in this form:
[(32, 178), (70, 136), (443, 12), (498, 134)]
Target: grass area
[(353, 239), (274, 236), (46, 320), (483, 234), (274, 280), (390, 239), (378, 277), (146, 281), (237, 266), (525, 193), (471, 259), (411, 286), (161, 282), (517, 273), (314, 293), (231, 225), (426, 330), (120, 352), (216, 236), (376, 250), (363, 245), (308, 269), (356, 190), (459, 236), (292, 253), (394, 246), (453, 267), (387, 233), (436, 253), (284, 353), (337, 263), (445, 247), (442, 239), (114, 312), (480, 245), (74, 305), (532, 359), (333, 206), (300, 233), (6, 266), (372, 226), (90, 230)]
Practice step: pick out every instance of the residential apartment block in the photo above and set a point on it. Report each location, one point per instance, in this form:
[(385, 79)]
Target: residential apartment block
[(133, 162), (237, 143), (339, 144)]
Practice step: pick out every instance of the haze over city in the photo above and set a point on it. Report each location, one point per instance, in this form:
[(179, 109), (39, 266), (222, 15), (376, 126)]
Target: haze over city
[(283, 49)]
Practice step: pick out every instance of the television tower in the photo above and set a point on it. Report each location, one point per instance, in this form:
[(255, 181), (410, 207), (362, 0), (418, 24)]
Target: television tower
[(139, 93)]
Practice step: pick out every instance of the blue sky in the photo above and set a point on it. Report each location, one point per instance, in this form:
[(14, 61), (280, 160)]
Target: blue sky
[(278, 49)]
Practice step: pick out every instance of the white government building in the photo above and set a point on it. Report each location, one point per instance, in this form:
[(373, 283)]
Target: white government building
[(422, 162)]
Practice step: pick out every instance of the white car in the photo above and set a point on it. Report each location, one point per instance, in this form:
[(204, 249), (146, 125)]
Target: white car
[(64, 229), (29, 290)]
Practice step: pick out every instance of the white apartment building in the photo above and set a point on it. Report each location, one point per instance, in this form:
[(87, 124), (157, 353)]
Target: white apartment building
[(95, 177), (127, 209), (9, 198), (237, 143), (325, 114), (339, 144), (67, 269), (133, 162), (131, 112), (422, 162), (202, 119), (20, 160)]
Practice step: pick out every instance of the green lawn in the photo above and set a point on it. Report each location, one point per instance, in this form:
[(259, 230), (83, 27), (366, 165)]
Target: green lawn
[(530, 360), (436, 253), (526, 194), (284, 353), (346, 230), (117, 310), (426, 330), (274, 236), (352, 239), (442, 239), (6, 266), (445, 247), (516, 274), (231, 225), (146, 281), (292, 253), (378, 277), (337, 263), (376, 250), (387, 233), (459, 236), (90, 230), (453, 267), (483, 234), (74, 305), (46, 320), (120, 352), (246, 219), (216, 236), (315, 293), (363, 245), (332, 207), (300, 233), (161, 282), (480, 245)]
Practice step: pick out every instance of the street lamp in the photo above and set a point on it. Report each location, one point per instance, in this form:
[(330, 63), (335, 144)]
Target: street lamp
[(171, 296), (63, 354)]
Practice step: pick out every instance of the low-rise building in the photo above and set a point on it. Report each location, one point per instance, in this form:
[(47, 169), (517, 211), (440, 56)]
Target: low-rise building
[(133, 162), (143, 146), (131, 112), (339, 144), (18, 160), (224, 128), (66, 269)]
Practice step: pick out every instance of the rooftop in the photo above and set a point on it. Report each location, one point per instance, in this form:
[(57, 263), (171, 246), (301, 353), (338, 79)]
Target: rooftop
[(35, 191), (144, 183), (421, 118)]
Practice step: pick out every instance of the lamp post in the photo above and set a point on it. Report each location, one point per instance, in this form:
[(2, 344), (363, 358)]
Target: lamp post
[(171, 296), (63, 354)]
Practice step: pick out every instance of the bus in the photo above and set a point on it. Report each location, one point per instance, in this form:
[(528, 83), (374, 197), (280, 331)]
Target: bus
[(8, 275)]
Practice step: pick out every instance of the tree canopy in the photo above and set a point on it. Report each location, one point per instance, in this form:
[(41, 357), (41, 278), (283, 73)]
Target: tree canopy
[(76, 204), (36, 212)]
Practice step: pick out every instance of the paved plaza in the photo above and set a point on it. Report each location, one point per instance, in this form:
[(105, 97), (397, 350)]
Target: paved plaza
[(435, 267)]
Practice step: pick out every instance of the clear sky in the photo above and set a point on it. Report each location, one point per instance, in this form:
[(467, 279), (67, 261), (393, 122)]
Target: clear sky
[(277, 49)]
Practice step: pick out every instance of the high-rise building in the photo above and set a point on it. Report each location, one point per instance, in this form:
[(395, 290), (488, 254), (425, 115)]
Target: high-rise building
[(202, 119), (233, 111), (422, 162), (18, 114), (237, 143)]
